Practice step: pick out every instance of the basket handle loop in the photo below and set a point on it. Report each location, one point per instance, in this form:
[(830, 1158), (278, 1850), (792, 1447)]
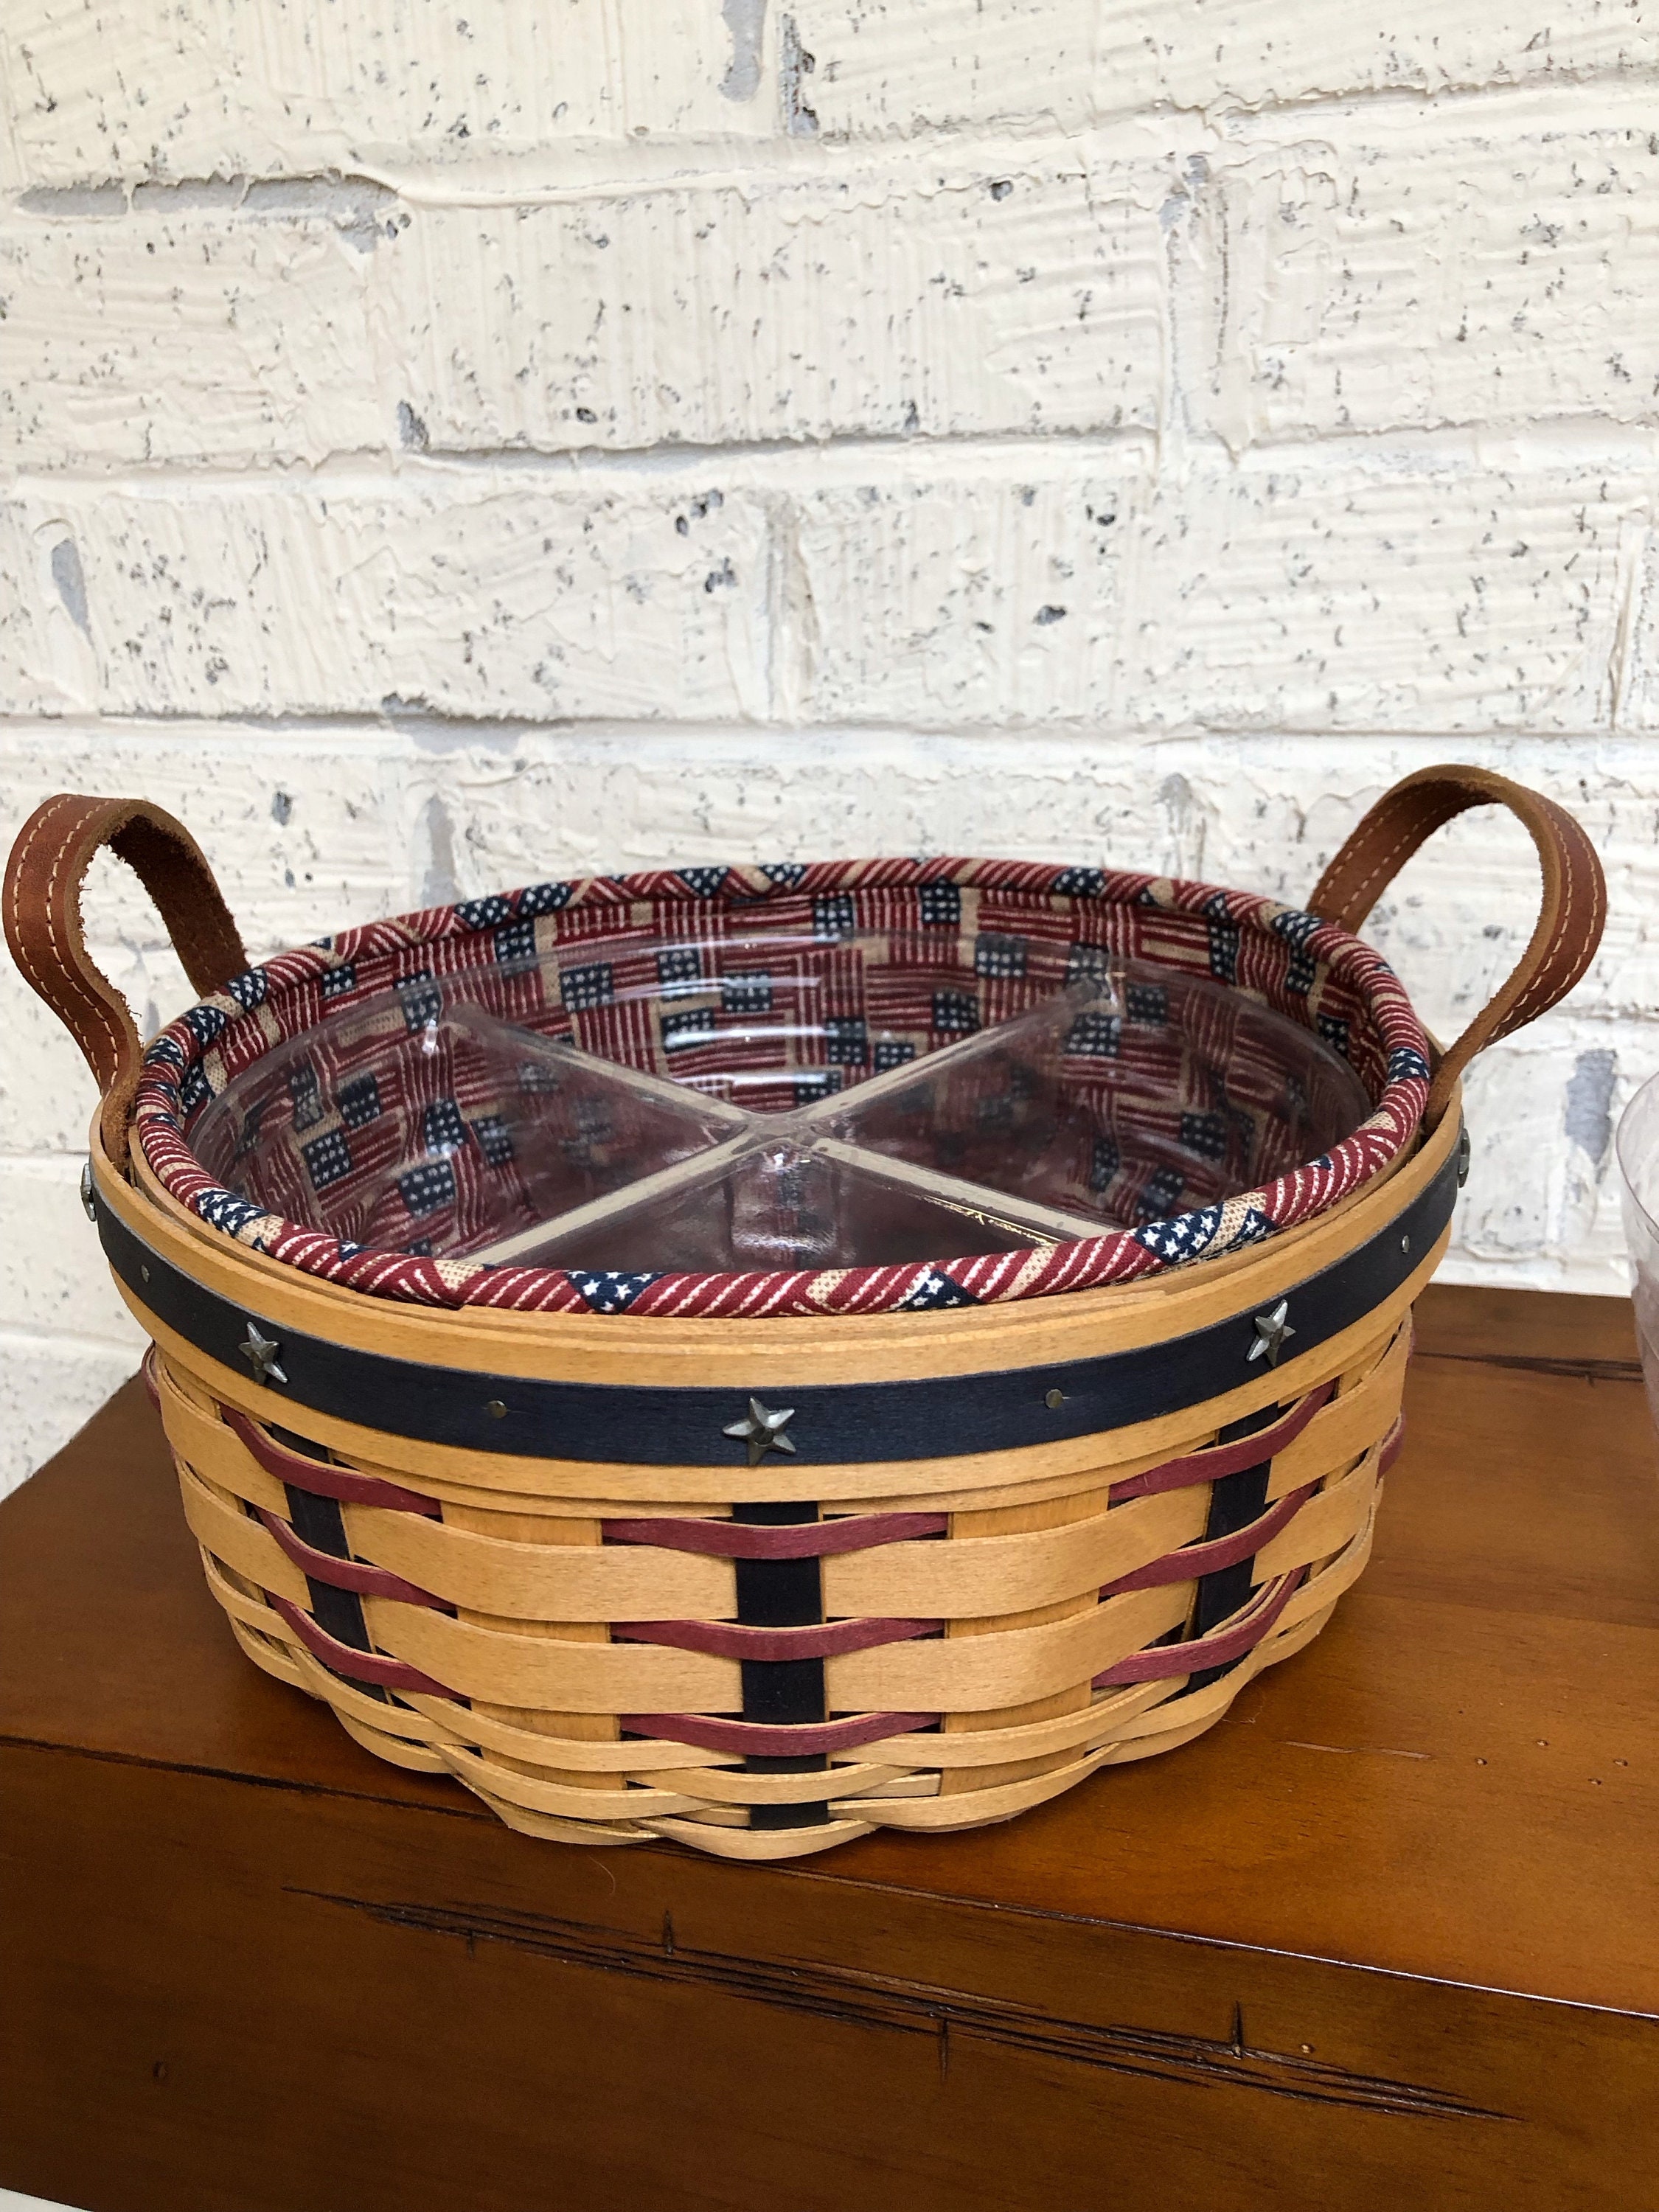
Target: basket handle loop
[(1575, 896), (42, 907)]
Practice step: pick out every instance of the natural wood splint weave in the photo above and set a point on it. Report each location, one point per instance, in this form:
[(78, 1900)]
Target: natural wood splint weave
[(1308, 1544), (1102, 1556), (1018, 1542)]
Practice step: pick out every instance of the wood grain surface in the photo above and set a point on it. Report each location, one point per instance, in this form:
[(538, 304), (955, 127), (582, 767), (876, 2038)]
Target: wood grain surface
[(1391, 1925)]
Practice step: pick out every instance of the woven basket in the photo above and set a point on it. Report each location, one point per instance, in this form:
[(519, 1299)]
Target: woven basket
[(1020, 1536)]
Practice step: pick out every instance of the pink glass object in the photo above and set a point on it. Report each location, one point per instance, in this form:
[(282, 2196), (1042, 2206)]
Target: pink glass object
[(1637, 1147)]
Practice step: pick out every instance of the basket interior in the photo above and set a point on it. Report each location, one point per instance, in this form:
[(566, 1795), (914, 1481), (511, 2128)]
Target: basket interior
[(861, 1080)]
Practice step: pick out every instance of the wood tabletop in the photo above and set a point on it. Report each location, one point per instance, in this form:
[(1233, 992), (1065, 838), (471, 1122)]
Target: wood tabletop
[(1393, 1922)]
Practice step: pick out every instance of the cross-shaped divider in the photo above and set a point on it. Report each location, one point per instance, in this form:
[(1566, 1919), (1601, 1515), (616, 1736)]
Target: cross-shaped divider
[(824, 1133)]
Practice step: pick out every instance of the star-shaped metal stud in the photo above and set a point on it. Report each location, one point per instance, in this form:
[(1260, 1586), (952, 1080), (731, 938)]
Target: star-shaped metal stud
[(260, 1353), (1271, 1331), (762, 1430)]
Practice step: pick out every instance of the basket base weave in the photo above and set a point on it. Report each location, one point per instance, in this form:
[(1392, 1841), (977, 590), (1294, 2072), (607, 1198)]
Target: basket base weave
[(1127, 1726)]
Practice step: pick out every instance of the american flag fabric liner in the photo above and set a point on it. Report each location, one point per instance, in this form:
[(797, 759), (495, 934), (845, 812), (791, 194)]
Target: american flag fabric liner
[(907, 956)]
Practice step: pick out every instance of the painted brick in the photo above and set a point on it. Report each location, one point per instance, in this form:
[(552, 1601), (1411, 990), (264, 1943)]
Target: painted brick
[(132, 92), (984, 588), (1404, 268), (1340, 589), (207, 324), (904, 66), (959, 298), (1385, 590), (1321, 591), (310, 828), (379, 820), (185, 330), (1638, 695), (889, 66), (47, 1094), (45, 1241), (459, 589), (1253, 53), (66, 1340), (133, 89)]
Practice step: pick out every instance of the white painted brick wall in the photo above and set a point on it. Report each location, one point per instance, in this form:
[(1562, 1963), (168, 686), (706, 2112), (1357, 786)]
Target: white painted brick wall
[(437, 452), (471, 590), (1491, 264)]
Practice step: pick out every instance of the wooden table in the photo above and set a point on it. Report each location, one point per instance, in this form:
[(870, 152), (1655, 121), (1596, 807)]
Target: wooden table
[(1393, 1924)]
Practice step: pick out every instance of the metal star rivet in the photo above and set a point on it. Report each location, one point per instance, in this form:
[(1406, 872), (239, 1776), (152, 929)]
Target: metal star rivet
[(260, 1353), (89, 1193), (1271, 1331), (762, 1430)]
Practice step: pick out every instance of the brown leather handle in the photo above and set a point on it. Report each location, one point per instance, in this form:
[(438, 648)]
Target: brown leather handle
[(42, 902), (1575, 901)]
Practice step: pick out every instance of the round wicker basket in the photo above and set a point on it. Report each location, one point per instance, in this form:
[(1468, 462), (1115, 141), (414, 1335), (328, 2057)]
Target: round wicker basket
[(763, 1581)]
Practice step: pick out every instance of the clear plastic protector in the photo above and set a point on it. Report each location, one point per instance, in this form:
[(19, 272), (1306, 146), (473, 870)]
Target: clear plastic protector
[(808, 1102)]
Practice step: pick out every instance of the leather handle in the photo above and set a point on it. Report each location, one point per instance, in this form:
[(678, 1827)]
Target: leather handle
[(42, 906), (1574, 908)]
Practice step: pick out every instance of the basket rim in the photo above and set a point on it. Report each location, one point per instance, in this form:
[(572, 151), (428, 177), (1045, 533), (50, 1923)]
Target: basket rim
[(1116, 1258), (764, 1355), (1059, 1402)]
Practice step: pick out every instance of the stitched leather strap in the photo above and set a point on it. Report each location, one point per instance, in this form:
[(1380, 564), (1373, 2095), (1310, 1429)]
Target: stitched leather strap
[(1574, 908), (42, 907)]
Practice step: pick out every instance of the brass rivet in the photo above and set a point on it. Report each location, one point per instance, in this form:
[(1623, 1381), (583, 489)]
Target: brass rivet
[(494, 1407), (1054, 1400)]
